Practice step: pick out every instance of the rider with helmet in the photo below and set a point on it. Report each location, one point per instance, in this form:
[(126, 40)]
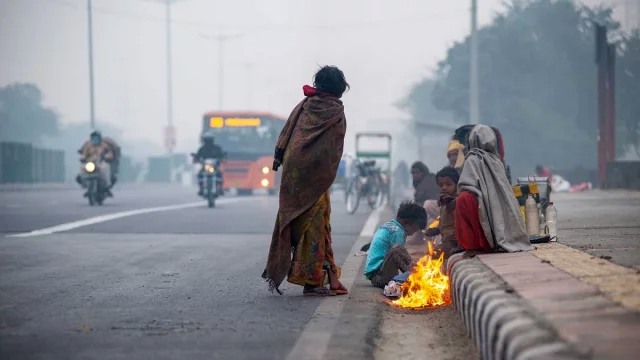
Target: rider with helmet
[(208, 150), (115, 162), (98, 149)]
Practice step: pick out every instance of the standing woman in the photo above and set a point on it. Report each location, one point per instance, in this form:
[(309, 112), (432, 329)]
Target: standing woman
[(309, 149)]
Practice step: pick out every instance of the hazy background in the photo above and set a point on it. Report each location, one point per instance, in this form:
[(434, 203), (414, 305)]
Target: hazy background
[(384, 48)]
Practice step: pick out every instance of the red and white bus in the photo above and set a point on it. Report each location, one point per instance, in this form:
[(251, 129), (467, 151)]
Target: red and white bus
[(249, 138)]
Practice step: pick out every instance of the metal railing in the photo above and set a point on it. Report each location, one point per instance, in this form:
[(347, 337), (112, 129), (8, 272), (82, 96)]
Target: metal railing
[(25, 164), (623, 175)]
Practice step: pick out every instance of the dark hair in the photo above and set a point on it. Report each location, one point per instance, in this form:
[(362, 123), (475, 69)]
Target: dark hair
[(419, 165), (448, 172), (331, 80), (410, 211)]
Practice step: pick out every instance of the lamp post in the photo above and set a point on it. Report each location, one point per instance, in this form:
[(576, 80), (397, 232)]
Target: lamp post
[(221, 39), (92, 112), (170, 132)]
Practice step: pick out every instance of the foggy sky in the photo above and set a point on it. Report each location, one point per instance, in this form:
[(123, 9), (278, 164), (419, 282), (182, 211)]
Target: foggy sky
[(382, 46)]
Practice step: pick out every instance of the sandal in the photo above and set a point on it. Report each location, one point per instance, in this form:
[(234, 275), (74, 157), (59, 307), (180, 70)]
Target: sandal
[(317, 291), (341, 290)]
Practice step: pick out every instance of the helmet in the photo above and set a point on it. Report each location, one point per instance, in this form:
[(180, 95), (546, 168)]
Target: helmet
[(207, 137), (96, 137)]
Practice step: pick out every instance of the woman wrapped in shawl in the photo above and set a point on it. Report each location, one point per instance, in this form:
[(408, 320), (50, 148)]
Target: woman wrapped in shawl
[(309, 149), (487, 216)]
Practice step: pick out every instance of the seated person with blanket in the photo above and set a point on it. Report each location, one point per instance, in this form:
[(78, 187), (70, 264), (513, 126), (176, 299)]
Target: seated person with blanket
[(387, 254), (487, 216)]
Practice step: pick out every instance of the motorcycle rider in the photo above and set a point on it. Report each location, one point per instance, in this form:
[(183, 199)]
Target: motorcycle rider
[(97, 149), (208, 150), (115, 162)]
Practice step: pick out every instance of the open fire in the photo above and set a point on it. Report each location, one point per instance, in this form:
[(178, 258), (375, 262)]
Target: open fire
[(427, 286)]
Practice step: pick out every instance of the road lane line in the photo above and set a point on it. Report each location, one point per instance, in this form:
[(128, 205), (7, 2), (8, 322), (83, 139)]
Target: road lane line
[(314, 340), (113, 216)]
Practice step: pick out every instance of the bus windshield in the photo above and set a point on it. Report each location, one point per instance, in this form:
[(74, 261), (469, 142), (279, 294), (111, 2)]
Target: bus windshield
[(244, 135)]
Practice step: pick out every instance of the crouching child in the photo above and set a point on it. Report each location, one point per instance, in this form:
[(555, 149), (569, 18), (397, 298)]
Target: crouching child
[(387, 254)]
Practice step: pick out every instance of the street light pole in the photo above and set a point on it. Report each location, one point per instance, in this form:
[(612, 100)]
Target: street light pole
[(169, 90), (92, 111), (170, 131), (248, 73), (221, 39), (473, 80)]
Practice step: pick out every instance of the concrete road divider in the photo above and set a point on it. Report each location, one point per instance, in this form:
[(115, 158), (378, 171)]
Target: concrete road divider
[(500, 322), (551, 303)]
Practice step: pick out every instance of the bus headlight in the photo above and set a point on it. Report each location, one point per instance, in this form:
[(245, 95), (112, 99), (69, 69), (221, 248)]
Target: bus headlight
[(265, 170), (264, 182), (90, 167)]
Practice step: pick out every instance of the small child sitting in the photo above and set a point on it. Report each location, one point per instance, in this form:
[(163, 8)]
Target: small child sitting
[(447, 179), (387, 254)]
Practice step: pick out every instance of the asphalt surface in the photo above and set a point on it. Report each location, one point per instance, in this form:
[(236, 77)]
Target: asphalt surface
[(186, 283), (604, 224), (171, 284)]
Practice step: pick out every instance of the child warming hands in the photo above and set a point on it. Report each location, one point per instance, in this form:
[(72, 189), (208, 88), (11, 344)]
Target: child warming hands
[(387, 255)]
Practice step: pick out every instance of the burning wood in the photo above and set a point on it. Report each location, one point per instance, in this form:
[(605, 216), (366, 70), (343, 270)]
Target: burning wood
[(427, 286)]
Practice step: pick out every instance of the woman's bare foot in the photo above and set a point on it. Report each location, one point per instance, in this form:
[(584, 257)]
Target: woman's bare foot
[(310, 290), (335, 286)]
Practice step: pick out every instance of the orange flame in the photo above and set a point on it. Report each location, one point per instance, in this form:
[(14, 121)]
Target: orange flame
[(427, 286), (435, 223)]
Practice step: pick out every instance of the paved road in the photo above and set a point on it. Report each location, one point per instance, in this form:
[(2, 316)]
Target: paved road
[(604, 224), (174, 284), (22, 211)]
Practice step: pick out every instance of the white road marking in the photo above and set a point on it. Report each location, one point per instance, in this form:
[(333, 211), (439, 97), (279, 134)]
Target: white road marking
[(314, 340), (113, 216)]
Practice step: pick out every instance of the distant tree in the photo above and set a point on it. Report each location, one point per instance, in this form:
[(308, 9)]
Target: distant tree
[(628, 93), (420, 104), (22, 116), (538, 81)]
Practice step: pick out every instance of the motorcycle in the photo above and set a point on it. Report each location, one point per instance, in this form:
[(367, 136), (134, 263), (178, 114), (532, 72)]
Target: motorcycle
[(212, 178), (92, 179), (366, 183)]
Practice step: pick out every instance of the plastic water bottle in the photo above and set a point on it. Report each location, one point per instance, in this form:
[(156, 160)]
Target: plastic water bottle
[(532, 216), (552, 221)]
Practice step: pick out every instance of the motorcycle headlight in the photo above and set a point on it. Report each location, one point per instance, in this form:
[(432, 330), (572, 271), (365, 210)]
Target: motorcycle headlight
[(209, 168), (90, 167), (265, 170)]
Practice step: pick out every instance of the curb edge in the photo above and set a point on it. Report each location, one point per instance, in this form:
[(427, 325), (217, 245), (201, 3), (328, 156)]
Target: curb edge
[(501, 323)]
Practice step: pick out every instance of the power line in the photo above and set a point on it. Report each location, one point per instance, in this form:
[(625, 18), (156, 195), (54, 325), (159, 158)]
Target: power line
[(269, 27)]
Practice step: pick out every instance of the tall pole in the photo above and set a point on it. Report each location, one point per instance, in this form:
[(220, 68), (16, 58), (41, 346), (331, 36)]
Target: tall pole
[(221, 39), (248, 74), (169, 67), (601, 46), (92, 110), (473, 80), (169, 90), (170, 130)]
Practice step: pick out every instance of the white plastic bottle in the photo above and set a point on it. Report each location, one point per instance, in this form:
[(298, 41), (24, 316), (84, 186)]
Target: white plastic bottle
[(532, 216), (552, 221)]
